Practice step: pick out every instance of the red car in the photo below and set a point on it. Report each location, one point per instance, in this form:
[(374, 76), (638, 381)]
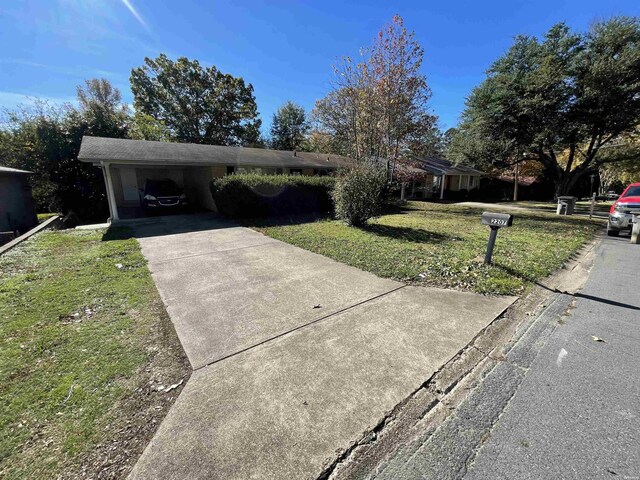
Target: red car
[(620, 213)]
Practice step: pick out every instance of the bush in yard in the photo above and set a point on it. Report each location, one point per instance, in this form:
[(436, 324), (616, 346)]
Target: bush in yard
[(253, 195), (359, 194)]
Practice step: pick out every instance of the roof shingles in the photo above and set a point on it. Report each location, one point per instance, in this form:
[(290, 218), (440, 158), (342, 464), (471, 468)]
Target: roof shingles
[(100, 149)]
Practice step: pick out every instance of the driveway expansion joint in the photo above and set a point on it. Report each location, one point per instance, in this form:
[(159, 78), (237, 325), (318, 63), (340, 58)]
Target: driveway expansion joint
[(212, 252), (300, 327)]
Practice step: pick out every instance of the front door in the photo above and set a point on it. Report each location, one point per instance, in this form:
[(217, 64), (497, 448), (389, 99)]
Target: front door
[(129, 181)]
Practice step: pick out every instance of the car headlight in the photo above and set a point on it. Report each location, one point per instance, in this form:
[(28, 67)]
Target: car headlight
[(620, 207), (150, 198), (183, 197)]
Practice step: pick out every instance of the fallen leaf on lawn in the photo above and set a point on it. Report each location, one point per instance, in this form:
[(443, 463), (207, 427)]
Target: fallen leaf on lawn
[(597, 339), (164, 389)]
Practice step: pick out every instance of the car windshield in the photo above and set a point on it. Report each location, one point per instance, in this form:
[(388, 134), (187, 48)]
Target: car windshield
[(160, 188), (633, 191)]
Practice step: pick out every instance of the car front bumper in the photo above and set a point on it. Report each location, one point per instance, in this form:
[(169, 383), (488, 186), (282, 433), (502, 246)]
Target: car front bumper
[(165, 202), (620, 221)]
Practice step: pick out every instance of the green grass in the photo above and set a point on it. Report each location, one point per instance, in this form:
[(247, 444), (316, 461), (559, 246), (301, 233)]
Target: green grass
[(444, 245), (76, 315), (45, 216)]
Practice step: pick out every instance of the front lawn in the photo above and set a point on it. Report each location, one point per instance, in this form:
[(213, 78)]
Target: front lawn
[(84, 343), (443, 245)]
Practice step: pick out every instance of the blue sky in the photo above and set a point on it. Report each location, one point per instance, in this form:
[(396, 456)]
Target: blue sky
[(284, 48)]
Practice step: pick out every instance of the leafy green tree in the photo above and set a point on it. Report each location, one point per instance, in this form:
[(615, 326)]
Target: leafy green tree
[(46, 140), (33, 139), (197, 105), (145, 127), (289, 128), (101, 109), (561, 101), (625, 167), (321, 142)]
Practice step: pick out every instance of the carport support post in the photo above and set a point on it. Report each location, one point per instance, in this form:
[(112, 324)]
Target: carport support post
[(113, 208), (492, 242), (441, 186)]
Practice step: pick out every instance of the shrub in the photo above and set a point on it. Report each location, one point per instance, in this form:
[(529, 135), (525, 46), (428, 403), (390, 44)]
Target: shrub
[(253, 195), (359, 194)]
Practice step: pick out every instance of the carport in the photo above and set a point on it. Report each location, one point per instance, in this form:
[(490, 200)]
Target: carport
[(128, 164), (125, 181)]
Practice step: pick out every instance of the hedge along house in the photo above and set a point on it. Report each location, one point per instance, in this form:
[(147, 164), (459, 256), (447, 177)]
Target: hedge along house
[(435, 177), (17, 210), (128, 164)]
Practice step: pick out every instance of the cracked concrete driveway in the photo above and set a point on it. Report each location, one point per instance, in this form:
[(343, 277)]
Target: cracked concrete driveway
[(296, 356)]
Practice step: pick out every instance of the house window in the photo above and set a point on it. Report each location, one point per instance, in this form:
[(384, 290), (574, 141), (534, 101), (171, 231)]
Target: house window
[(295, 171), (230, 170), (321, 172), (278, 171), (256, 170)]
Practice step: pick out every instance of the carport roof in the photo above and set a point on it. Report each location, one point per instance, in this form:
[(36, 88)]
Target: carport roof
[(100, 149)]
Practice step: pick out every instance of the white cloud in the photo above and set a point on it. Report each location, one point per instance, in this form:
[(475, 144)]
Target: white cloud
[(75, 71), (11, 100)]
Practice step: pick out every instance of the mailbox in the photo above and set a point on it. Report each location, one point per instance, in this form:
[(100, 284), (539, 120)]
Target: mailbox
[(497, 219)]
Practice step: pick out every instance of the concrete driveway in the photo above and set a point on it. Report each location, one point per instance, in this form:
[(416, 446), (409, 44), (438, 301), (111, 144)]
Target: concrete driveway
[(295, 356)]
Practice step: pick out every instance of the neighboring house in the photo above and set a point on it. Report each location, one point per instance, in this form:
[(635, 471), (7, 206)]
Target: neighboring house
[(17, 211), (529, 187), (127, 164), (436, 176)]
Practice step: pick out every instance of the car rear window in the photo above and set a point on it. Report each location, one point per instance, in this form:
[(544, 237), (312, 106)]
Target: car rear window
[(633, 191)]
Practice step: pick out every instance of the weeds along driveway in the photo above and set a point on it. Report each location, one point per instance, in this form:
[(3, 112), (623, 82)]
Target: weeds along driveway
[(295, 355)]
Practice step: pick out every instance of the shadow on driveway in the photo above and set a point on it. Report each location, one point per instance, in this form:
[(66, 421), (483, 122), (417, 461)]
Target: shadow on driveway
[(166, 225)]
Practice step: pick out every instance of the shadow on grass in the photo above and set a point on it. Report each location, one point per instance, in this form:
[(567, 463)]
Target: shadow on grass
[(117, 233), (405, 233), (263, 222)]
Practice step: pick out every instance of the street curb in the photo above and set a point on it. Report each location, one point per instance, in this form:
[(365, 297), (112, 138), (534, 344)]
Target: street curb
[(498, 346), (447, 451)]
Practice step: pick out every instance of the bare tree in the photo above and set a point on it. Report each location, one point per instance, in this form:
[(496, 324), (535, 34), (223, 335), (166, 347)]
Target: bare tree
[(378, 107)]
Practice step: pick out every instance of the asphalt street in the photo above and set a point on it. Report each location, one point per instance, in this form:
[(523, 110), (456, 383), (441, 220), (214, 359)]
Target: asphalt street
[(565, 403)]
